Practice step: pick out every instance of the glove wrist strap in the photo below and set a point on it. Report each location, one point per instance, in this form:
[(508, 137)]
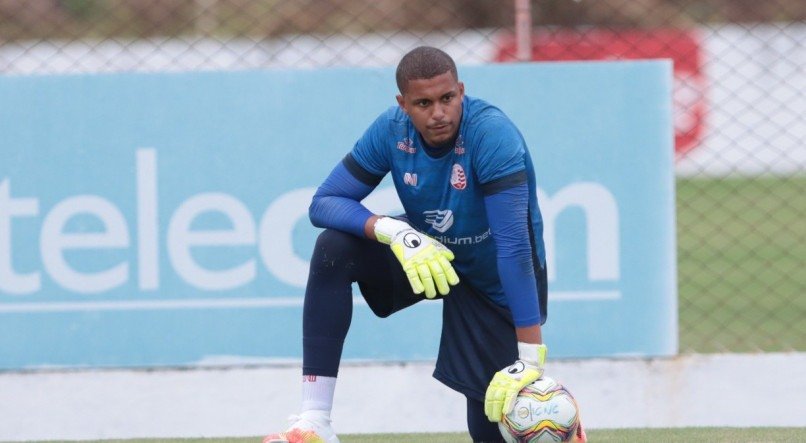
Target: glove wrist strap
[(387, 228), (532, 353)]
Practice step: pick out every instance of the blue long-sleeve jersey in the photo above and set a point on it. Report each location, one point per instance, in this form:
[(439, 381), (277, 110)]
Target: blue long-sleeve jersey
[(477, 197)]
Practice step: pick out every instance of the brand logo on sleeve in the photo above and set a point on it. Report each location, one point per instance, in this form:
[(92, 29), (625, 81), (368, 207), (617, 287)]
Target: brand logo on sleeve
[(440, 219), (458, 178)]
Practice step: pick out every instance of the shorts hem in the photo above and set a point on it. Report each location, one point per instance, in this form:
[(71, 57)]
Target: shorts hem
[(461, 388)]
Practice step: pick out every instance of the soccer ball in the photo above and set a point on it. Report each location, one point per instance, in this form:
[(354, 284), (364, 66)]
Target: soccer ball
[(544, 412)]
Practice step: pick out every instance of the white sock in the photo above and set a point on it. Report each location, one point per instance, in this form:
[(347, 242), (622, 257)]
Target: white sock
[(317, 392)]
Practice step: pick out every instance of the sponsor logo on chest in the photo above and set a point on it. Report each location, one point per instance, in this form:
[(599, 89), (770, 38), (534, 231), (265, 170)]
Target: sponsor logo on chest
[(439, 219), (459, 146), (407, 145)]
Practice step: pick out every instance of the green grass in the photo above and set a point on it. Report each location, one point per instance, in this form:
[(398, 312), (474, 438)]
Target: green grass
[(594, 436), (741, 261)]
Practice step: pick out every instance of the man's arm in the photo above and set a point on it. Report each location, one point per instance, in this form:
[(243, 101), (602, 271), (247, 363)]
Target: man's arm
[(529, 334), (508, 216), (369, 227), (507, 207), (337, 202), (337, 205), (507, 212)]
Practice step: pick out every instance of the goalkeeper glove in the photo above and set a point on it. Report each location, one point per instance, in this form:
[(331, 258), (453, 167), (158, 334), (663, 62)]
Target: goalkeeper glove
[(508, 382), (425, 260)]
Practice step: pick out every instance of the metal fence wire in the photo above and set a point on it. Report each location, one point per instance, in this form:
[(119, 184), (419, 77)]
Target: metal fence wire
[(739, 105)]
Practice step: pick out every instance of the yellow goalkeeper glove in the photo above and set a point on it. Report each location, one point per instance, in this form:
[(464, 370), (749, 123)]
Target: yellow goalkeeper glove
[(508, 382), (425, 260)]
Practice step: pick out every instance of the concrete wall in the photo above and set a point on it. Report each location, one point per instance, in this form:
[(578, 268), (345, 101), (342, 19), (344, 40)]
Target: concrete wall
[(740, 390)]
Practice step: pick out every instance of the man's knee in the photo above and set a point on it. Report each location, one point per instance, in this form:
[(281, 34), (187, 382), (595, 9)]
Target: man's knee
[(335, 240), (334, 247)]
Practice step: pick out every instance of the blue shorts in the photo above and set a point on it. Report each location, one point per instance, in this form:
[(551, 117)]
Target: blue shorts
[(478, 336)]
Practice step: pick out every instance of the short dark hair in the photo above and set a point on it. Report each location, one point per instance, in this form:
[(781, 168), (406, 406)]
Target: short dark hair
[(423, 62)]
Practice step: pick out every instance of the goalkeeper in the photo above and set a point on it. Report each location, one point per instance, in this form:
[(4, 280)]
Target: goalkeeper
[(472, 235)]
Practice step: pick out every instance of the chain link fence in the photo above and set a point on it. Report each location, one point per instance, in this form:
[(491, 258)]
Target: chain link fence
[(740, 105)]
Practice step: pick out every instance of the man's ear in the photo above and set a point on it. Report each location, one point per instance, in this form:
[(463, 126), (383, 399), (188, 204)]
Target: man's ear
[(401, 103)]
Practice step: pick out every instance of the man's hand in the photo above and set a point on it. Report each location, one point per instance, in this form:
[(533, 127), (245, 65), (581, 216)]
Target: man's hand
[(508, 382), (425, 260)]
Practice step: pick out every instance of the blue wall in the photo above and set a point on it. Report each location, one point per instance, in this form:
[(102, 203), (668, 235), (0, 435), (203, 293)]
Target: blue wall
[(160, 219)]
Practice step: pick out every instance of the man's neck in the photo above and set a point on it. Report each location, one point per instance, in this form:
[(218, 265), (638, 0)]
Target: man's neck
[(440, 150)]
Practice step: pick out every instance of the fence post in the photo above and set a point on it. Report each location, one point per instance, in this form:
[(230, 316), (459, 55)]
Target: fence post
[(523, 30)]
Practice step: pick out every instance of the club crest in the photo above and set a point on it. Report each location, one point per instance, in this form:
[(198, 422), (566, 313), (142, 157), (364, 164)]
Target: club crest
[(458, 178)]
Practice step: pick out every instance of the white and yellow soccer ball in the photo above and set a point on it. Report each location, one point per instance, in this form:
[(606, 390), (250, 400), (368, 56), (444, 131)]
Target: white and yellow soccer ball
[(544, 412)]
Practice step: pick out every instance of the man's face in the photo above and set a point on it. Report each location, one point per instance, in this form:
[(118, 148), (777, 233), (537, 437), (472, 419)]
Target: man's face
[(434, 106)]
